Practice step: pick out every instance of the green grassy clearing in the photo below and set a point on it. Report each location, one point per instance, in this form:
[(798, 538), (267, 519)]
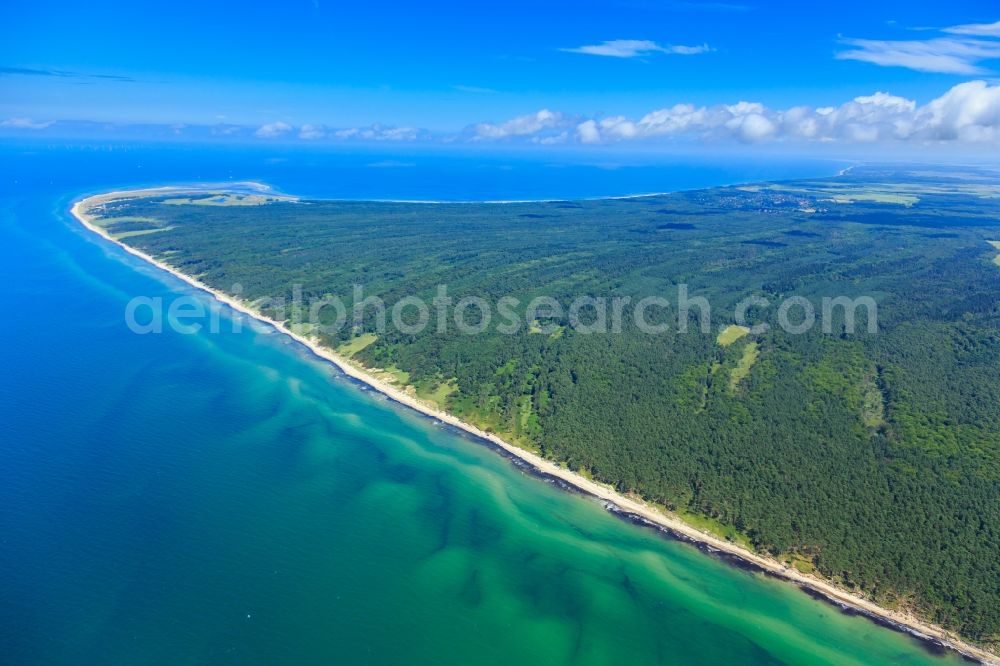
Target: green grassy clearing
[(731, 334)]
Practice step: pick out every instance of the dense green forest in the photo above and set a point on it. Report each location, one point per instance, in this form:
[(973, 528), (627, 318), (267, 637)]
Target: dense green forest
[(871, 457)]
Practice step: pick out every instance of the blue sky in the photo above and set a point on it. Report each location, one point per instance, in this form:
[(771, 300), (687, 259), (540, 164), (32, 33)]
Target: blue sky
[(503, 71)]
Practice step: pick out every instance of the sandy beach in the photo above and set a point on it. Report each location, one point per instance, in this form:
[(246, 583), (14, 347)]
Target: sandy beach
[(631, 508)]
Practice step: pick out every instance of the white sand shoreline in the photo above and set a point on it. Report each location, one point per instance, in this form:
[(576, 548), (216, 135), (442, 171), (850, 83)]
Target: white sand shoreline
[(615, 500)]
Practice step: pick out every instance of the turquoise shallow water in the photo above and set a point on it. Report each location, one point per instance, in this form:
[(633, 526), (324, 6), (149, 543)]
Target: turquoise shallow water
[(228, 498)]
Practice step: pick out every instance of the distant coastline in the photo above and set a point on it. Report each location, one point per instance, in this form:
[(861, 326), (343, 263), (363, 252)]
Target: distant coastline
[(630, 508)]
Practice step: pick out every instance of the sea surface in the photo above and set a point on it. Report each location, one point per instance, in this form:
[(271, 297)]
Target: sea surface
[(228, 498)]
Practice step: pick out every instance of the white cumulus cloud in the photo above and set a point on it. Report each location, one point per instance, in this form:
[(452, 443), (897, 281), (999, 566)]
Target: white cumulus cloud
[(272, 130), (967, 112), (587, 132), (310, 132), (526, 125), (25, 123), (380, 133)]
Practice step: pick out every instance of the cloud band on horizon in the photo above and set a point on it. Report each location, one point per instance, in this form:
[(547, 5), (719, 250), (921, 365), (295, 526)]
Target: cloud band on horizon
[(967, 113)]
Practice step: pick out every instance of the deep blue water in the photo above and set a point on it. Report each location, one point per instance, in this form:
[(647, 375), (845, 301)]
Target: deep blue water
[(227, 498), (370, 174)]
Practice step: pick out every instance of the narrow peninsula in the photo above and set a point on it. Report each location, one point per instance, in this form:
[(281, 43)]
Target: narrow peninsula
[(861, 463)]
